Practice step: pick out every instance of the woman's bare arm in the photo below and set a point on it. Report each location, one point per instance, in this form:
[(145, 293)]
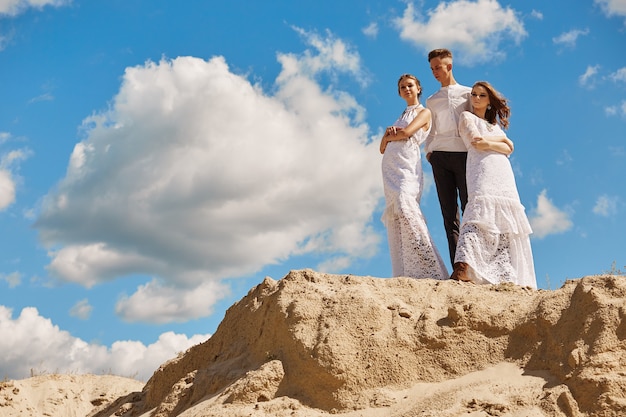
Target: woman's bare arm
[(500, 144), (421, 121)]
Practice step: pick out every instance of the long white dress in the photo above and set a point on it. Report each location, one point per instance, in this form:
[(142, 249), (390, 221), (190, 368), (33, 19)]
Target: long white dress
[(494, 236), (413, 253)]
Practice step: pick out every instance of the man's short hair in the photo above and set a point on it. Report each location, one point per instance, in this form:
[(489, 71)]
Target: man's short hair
[(439, 53)]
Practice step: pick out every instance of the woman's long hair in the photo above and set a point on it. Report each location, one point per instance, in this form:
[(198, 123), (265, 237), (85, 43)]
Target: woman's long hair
[(499, 111)]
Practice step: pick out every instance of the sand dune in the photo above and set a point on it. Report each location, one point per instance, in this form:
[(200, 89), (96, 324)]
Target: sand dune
[(314, 344)]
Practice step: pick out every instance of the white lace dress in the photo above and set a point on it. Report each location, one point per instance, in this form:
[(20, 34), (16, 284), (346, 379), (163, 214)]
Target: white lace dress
[(413, 253), (494, 236)]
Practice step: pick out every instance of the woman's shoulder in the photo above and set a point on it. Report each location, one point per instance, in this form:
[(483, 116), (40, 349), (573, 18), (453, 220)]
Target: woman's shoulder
[(412, 112), (423, 110), (468, 115)]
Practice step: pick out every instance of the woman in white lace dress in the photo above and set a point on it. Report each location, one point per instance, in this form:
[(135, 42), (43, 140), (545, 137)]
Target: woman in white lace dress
[(413, 253), (494, 243)]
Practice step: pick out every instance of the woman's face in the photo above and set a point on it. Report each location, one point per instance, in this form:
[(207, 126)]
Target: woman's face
[(479, 98), (408, 89)]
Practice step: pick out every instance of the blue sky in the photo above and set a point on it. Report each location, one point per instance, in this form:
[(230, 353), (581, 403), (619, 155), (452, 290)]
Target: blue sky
[(158, 158)]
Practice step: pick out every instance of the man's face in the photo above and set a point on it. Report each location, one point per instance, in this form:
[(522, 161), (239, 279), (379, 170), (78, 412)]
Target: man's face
[(441, 68)]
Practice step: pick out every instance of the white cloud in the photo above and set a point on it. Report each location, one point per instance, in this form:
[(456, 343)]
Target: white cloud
[(569, 38), (619, 75), (81, 309), (9, 164), (548, 219), (7, 189), (42, 97), (157, 303), (588, 78), (333, 264), (613, 7), (371, 30), (194, 175), (13, 279), (615, 110), (89, 264), (15, 7), (331, 55), (606, 205), (473, 30), (536, 14), (32, 342), (12, 157)]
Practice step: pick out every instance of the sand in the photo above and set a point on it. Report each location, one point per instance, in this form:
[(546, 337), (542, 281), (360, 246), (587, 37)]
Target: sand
[(314, 344)]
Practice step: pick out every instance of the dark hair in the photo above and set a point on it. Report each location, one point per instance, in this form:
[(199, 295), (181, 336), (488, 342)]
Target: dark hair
[(499, 111), (439, 53), (413, 77)]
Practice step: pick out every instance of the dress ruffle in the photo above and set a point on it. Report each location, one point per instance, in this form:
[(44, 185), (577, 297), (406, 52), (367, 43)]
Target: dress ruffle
[(497, 215)]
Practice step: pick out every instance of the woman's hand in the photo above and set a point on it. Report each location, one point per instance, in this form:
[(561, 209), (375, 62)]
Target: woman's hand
[(390, 133), (501, 145), (480, 144)]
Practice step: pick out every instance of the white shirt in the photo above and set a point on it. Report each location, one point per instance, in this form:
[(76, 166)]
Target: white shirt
[(446, 106)]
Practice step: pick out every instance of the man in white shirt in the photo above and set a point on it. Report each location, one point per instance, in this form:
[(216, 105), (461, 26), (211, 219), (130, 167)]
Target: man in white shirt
[(444, 147)]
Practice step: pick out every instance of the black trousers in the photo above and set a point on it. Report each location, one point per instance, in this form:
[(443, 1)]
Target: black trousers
[(449, 174)]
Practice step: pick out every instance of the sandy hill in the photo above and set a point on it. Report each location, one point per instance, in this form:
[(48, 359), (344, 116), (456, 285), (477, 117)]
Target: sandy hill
[(314, 344)]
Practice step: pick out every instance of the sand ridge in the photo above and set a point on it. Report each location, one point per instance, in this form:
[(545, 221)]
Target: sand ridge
[(314, 344)]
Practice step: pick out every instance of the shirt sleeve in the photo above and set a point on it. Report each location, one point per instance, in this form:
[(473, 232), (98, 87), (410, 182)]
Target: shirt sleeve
[(428, 141), (467, 128), (431, 133)]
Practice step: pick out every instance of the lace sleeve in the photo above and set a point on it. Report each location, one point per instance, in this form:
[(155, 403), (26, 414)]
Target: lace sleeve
[(467, 128)]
